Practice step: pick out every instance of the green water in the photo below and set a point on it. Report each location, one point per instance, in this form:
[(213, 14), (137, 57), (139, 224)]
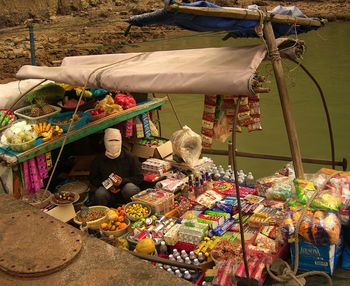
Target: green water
[(327, 57)]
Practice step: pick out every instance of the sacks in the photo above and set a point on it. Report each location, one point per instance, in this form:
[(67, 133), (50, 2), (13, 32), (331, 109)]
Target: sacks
[(187, 145)]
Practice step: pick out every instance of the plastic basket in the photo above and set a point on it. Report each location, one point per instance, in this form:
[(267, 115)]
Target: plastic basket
[(24, 113), (132, 218), (93, 224), (66, 116)]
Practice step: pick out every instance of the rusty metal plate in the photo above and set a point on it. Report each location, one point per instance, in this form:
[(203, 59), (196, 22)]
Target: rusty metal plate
[(36, 244)]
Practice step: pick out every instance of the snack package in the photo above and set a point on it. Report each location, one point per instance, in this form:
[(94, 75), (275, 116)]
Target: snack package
[(225, 273), (139, 128), (328, 199)]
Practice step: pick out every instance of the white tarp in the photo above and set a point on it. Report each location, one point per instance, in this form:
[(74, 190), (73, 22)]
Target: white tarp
[(224, 70)]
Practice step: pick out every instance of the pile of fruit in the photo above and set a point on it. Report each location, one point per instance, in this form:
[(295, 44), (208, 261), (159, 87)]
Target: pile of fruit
[(137, 210), (47, 131), (20, 136), (116, 220), (64, 197), (41, 108), (108, 105), (97, 111)]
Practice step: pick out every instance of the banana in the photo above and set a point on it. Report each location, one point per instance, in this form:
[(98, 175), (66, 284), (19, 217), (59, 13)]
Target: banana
[(36, 128), (44, 126), (41, 127), (48, 127)]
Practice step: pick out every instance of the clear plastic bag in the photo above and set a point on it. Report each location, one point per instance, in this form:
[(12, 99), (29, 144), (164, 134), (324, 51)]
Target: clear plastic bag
[(187, 145)]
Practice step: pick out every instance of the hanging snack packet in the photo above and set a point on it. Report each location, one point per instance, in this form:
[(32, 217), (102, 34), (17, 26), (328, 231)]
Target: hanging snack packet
[(139, 128), (146, 126)]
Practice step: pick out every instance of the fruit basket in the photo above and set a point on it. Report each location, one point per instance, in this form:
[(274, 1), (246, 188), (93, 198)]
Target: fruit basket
[(63, 120), (24, 113), (134, 210), (100, 113), (93, 223), (118, 232)]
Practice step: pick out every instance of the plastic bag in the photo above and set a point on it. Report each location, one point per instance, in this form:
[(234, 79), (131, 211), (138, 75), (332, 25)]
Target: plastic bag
[(187, 145)]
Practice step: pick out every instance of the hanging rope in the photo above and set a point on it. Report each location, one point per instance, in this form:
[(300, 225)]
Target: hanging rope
[(173, 108), (324, 103), (75, 111)]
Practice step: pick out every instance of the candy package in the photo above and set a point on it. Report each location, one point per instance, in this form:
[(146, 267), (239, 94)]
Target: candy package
[(276, 187), (225, 273)]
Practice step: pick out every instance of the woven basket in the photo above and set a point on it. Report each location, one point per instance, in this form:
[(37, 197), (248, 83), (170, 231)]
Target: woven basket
[(38, 200), (118, 232), (93, 224)]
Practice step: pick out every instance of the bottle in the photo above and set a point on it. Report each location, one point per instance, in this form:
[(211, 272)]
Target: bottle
[(187, 260), (179, 259), (216, 176), (187, 275), (170, 270), (196, 261), (232, 179), (183, 254), (210, 183), (226, 177), (241, 180), (192, 255), (201, 257), (229, 169), (166, 266), (250, 181), (178, 273), (197, 190), (163, 248), (84, 227), (171, 257)]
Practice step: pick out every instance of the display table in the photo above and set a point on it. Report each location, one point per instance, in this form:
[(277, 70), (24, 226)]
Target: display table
[(98, 263), (42, 147)]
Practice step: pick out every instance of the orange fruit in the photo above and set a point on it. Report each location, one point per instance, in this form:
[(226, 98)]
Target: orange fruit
[(104, 225), (113, 227)]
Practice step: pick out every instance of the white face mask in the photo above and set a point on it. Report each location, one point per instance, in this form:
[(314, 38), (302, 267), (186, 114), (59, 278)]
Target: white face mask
[(113, 143)]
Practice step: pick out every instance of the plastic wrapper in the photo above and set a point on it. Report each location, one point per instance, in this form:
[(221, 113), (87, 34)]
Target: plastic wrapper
[(225, 273), (277, 187), (317, 227), (109, 105), (225, 250), (187, 145), (327, 199)]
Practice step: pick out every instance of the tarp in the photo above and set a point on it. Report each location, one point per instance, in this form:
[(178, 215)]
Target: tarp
[(236, 27), (225, 70)]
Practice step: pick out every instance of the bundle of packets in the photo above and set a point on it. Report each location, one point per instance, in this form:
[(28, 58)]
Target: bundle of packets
[(112, 180), (256, 268), (207, 245), (225, 273), (155, 166), (192, 231), (276, 187), (266, 215), (229, 189), (152, 227), (209, 198), (170, 185)]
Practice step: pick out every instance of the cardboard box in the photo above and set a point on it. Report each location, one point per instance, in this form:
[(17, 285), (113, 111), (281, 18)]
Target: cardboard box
[(314, 257), (159, 152), (63, 213)]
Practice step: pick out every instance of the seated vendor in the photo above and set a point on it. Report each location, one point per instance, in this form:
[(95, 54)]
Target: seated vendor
[(121, 163)]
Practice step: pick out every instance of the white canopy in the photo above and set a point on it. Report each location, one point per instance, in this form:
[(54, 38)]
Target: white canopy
[(224, 70)]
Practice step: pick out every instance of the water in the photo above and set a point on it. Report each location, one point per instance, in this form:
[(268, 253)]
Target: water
[(328, 59)]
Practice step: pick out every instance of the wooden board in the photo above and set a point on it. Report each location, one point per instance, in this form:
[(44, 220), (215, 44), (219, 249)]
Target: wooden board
[(36, 244)]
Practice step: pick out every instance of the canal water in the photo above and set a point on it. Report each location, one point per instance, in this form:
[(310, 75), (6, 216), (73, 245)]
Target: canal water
[(327, 57)]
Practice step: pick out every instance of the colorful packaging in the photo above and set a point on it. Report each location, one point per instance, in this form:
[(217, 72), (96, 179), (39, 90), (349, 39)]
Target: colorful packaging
[(146, 126)]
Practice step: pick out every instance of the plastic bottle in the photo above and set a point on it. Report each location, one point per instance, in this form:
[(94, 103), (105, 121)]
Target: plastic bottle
[(192, 255), (170, 270), (163, 248), (187, 275), (179, 259), (229, 169), (175, 253), (201, 257), (183, 254), (171, 257), (178, 273), (196, 261), (241, 180), (187, 260), (250, 181)]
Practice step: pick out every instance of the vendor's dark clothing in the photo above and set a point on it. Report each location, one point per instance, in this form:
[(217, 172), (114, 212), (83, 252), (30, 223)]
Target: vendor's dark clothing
[(126, 166)]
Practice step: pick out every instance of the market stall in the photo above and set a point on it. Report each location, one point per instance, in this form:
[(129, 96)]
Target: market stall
[(197, 214)]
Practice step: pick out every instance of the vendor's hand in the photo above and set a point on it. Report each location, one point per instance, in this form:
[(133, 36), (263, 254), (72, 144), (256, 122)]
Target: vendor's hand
[(114, 190), (119, 181)]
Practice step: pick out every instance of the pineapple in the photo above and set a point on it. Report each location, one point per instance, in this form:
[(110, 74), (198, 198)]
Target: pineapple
[(47, 109), (41, 108), (35, 111)]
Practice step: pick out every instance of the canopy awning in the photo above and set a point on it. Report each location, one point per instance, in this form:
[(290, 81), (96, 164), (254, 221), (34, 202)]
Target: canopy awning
[(242, 27), (225, 70)]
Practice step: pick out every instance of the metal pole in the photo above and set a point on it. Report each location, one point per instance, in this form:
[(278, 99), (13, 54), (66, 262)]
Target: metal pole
[(32, 44)]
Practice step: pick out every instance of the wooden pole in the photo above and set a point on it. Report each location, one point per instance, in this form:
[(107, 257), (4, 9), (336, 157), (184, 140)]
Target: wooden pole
[(243, 15), (283, 94)]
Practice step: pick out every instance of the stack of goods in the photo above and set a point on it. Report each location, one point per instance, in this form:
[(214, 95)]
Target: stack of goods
[(144, 126), (8, 119), (160, 201), (155, 166), (126, 101)]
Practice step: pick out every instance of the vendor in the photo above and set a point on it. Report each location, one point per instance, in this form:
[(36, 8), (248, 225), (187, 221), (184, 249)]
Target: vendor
[(117, 161)]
